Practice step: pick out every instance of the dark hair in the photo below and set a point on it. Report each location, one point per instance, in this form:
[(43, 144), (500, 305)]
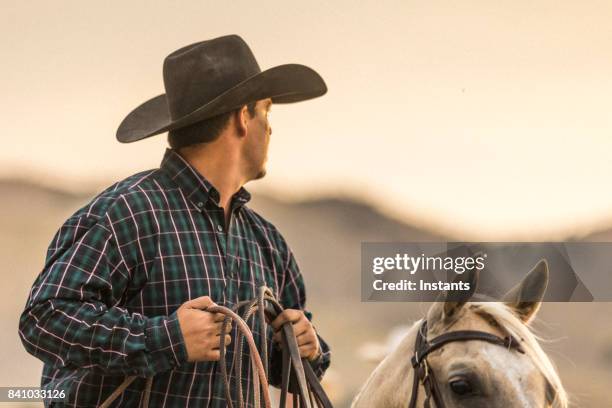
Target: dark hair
[(205, 131)]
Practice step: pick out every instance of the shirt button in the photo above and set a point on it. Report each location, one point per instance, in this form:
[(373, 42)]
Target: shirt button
[(219, 228), (200, 204)]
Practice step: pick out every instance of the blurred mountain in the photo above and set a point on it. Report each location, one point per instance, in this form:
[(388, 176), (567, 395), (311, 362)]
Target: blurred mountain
[(326, 236), (603, 235)]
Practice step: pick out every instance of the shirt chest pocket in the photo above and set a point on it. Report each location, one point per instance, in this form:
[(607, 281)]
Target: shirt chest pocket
[(260, 267)]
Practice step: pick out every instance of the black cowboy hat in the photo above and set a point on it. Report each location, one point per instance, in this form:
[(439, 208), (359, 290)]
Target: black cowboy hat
[(212, 77)]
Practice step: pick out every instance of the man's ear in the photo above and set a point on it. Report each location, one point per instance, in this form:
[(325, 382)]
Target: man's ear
[(241, 120), (526, 297)]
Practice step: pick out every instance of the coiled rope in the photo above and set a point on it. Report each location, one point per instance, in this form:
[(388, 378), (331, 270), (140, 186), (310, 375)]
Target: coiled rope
[(295, 371)]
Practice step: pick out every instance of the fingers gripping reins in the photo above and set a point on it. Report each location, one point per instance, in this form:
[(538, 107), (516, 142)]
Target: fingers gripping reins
[(291, 356), (244, 332), (309, 393)]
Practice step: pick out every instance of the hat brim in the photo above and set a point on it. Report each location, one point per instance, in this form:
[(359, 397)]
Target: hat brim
[(286, 83)]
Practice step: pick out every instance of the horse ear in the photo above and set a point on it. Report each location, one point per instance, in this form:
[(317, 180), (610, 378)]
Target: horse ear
[(526, 297), (454, 300)]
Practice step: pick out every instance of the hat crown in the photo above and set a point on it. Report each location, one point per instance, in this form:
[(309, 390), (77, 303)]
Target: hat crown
[(197, 73)]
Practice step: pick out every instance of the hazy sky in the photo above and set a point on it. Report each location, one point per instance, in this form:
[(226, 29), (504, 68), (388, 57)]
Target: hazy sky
[(492, 119)]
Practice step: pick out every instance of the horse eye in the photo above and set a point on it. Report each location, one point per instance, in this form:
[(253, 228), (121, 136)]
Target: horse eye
[(460, 386)]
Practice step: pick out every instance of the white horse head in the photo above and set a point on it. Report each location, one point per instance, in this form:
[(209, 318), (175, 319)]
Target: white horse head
[(473, 373)]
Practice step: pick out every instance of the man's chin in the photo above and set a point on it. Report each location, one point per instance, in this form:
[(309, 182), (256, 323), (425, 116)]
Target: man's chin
[(257, 176)]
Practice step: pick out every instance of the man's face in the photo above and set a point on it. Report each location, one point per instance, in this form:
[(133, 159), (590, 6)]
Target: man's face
[(258, 139)]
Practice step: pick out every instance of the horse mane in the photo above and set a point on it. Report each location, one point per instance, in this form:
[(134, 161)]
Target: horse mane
[(508, 321)]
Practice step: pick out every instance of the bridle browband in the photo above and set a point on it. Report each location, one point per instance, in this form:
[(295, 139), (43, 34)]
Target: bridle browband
[(423, 374)]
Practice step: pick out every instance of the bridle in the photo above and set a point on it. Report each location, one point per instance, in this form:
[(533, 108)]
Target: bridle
[(297, 376), (423, 374)]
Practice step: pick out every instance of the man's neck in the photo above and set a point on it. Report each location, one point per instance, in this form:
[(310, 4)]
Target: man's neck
[(220, 169)]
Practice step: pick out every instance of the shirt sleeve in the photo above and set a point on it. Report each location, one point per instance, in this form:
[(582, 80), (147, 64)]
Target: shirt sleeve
[(293, 296), (73, 316)]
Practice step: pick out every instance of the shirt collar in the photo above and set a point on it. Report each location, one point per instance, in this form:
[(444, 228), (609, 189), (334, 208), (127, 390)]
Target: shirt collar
[(196, 187)]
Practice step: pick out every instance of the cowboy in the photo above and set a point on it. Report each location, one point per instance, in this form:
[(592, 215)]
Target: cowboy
[(128, 277)]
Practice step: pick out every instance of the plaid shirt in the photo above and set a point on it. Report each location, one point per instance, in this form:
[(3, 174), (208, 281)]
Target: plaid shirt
[(104, 306)]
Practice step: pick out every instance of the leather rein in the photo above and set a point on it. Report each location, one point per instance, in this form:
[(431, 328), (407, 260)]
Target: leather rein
[(298, 376), (422, 373)]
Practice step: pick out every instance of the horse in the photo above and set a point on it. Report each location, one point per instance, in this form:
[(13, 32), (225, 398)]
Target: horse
[(470, 353)]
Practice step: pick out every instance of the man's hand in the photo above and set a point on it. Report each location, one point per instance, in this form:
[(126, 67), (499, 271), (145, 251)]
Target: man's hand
[(201, 330), (307, 339)]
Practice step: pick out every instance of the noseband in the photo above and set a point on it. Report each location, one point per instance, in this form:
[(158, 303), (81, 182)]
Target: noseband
[(423, 374)]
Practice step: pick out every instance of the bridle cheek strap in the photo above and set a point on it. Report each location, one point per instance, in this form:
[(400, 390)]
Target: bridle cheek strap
[(422, 374)]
